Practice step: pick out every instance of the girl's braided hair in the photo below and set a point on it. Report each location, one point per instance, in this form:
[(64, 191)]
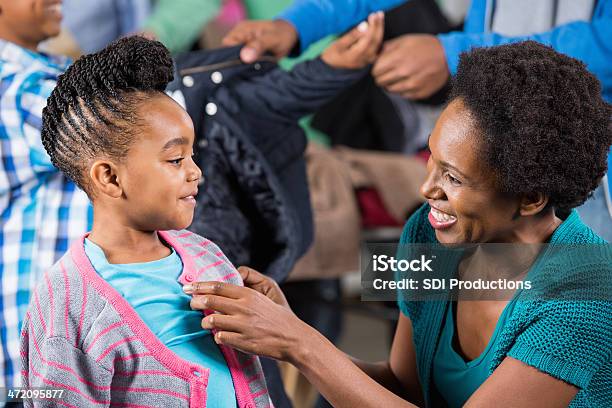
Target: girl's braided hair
[(93, 110)]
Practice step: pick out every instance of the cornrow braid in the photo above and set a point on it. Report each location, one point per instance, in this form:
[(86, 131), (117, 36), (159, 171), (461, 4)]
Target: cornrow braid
[(92, 112)]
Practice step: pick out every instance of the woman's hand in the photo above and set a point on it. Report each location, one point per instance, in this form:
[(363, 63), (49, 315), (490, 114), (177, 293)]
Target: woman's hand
[(264, 285), (359, 47), (256, 319), (249, 320)]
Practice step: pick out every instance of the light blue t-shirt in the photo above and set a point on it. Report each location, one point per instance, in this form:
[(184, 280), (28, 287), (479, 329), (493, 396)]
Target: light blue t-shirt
[(153, 290)]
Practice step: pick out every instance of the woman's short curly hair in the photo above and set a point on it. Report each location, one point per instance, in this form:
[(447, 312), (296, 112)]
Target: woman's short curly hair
[(545, 126), (93, 110)]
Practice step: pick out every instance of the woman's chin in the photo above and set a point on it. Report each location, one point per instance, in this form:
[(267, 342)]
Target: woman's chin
[(447, 238)]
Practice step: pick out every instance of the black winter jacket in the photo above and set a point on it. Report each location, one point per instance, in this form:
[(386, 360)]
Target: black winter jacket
[(254, 200)]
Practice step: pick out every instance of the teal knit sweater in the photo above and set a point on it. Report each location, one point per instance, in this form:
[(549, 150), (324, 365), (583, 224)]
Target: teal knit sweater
[(569, 340)]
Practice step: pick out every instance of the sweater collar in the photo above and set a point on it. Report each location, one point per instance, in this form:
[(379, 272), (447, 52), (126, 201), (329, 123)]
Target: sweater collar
[(573, 230)]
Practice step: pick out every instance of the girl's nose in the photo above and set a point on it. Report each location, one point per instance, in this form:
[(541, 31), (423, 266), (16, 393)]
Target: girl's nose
[(195, 173)]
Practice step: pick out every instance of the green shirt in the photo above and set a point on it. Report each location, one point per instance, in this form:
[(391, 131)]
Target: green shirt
[(454, 378), (177, 24), (569, 340)]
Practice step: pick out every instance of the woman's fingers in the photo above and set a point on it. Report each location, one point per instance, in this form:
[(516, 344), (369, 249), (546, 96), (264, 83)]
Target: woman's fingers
[(221, 322), (251, 277), (263, 284), (263, 326), (216, 288), (234, 340), (216, 303)]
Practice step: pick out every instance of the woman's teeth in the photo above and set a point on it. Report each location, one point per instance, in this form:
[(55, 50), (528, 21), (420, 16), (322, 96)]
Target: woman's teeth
[(442, 217)]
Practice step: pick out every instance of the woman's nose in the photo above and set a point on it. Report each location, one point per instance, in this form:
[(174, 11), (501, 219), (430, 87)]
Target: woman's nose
[(430, 188)]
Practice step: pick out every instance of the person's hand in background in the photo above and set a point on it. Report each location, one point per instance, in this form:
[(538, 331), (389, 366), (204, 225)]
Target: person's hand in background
[(149, 35), (413, 65), (359, 47), (274, 36)]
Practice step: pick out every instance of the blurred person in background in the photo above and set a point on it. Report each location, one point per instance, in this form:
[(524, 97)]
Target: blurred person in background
[(415, 66), (90, 26), (42, 210)]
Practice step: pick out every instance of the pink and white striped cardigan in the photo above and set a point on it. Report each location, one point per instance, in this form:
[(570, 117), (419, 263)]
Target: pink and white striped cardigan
[(82, 336)]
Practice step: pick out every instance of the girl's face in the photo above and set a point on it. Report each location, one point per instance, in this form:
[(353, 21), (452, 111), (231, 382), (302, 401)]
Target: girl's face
[(158, 175), (466, 206)]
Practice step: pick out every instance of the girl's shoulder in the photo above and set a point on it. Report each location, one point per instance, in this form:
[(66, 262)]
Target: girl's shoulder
[(203, 255), (192, 244), (68, 303), (188, 240)]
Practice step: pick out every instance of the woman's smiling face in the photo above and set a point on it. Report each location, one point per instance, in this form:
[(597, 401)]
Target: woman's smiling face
[(466, 206)]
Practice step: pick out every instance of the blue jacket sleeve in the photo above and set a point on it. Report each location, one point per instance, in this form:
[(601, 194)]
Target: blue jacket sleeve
[(315, 19), (589, 42)]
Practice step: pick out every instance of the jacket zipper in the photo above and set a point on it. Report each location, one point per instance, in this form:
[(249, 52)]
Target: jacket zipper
[(221, 65)]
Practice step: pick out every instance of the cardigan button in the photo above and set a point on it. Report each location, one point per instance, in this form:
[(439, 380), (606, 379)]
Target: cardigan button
[(196, 373), (189, 278)]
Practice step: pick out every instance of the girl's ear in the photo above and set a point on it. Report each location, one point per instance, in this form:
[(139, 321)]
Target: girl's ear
[(105, 179), (532, 204)]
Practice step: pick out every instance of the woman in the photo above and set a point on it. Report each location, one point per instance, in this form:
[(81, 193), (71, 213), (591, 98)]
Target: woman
[(521, 143)]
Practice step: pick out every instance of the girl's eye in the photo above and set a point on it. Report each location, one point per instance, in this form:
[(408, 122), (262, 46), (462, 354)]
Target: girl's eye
[(176, 161)]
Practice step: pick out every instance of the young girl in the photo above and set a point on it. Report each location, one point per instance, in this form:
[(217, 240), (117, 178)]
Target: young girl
[(109, 323)]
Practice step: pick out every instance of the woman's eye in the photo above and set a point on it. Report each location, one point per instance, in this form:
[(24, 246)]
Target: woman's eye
[(452, 179)]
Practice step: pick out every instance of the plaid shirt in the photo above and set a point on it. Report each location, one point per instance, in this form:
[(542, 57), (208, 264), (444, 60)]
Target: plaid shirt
[(42, 211)]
